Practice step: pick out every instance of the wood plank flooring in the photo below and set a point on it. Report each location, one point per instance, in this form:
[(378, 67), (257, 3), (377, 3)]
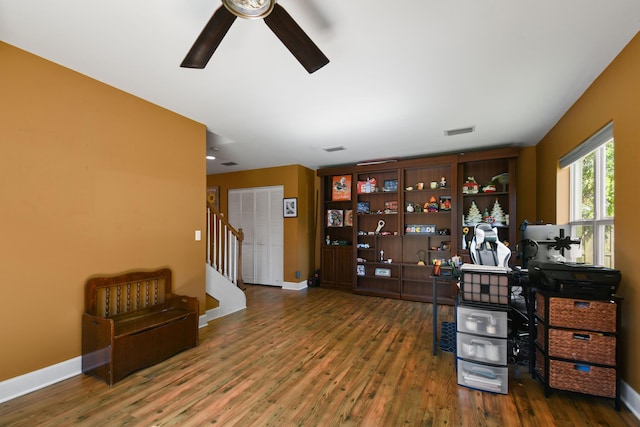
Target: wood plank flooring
[(309, 358)]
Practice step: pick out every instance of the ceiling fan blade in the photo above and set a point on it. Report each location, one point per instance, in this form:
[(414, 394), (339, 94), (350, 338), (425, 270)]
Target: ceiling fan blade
[(295, 39), (209, 39)]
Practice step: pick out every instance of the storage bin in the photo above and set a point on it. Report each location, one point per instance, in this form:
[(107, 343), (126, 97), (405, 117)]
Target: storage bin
[(582, 345), (583, 378), (475, 320), (482, 349), (579, 314), (483, 377)]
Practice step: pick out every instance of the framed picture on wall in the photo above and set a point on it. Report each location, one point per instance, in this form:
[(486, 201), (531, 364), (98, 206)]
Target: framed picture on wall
[(290, 207), (213, 194)]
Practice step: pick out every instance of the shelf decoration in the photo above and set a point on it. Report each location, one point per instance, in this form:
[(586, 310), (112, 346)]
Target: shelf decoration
[(335, 218), (445, 203), (420, 229), (341, 188), (470, 186), (465, 231), (474, 216), (391, 207), (432, 205), (368, 186), (422, 256), (489, 188), (390, 185), (348, 218), (486, 216), (502, 179), (364, 207), (383, 272), (497, 214)]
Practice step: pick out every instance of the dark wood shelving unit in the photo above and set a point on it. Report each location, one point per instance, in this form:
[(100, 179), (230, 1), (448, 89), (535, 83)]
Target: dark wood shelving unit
[(396, 187)]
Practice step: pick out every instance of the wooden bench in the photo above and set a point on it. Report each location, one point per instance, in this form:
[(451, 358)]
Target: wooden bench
[(133, 321)]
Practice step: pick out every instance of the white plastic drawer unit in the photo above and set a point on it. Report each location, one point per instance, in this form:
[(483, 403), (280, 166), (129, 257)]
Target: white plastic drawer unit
[(483, 322), (483, 377), (482, 349)]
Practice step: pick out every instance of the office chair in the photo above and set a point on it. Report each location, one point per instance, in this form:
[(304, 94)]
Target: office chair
[(486, 249)]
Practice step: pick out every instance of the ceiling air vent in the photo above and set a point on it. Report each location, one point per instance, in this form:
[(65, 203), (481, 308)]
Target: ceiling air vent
[(332, 149), (459, 131), (229, 164)]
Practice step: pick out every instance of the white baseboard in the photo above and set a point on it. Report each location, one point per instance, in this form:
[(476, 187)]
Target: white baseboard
[(210, 314), (291, 286), (32, 381), (631, 398)]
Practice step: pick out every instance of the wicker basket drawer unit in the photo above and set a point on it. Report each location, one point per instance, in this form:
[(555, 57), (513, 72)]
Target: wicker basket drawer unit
[(578, 314), (582, 345), (586, 346), (579, 377), (576, 346)]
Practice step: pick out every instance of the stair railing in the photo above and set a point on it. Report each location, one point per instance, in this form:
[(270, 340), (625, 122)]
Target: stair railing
[(224, 246)]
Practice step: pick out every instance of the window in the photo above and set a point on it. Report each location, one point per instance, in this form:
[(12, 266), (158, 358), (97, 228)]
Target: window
[(592, 197)]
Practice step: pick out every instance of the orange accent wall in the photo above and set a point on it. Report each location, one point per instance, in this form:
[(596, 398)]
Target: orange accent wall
[(615, 95), (93, 181), (299, 232), (526, 187)]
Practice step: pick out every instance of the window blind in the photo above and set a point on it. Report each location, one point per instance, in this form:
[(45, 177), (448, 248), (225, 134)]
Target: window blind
[(595, 141)]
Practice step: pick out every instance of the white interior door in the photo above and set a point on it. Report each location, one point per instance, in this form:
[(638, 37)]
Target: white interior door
[(258, 211)]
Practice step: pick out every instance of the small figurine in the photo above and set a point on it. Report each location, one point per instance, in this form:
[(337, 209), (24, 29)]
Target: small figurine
[(443, 182)]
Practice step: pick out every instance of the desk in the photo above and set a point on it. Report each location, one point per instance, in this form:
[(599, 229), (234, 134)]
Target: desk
[(449, 280)]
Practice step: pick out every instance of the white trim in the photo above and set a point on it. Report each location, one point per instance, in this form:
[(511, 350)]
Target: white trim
[(631, 398), (292, 286), (32, 381)]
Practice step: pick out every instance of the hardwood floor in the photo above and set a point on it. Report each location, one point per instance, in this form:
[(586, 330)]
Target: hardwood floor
[(309, 358)]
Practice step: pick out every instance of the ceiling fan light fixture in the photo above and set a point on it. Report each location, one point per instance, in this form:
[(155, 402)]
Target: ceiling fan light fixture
[(249, 8)]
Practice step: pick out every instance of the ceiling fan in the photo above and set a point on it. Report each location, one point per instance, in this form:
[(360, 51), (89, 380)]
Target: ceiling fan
[(276, 18)]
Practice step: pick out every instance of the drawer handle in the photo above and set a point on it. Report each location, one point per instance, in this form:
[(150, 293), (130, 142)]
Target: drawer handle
[(582, 337), (581, 304), (582, 368)]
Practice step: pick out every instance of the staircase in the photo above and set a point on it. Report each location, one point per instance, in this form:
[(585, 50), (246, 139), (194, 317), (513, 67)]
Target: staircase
[(224, 265)]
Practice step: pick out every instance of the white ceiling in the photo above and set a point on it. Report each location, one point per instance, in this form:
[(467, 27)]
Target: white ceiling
[(401, 72)]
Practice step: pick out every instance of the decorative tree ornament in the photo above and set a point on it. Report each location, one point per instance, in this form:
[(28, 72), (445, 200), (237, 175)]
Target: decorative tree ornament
[(474, 216), (497, 213)]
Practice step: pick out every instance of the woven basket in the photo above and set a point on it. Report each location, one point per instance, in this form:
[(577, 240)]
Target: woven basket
[(582, 378), (579, 345), (540, 337), (582, 314)]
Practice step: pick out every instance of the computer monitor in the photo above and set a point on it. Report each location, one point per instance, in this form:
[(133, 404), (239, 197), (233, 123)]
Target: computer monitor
[(545, 236)]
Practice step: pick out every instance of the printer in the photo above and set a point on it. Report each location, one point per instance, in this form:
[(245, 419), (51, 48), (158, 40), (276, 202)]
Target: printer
[(574, 280)]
